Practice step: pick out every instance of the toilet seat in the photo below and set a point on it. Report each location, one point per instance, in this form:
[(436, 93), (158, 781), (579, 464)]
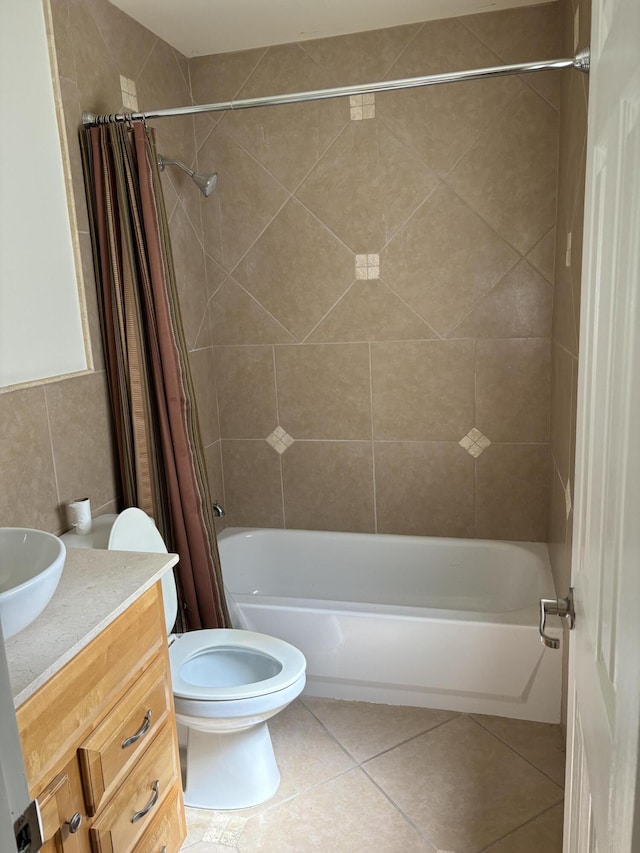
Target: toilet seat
[(281, 663), (230, 763)]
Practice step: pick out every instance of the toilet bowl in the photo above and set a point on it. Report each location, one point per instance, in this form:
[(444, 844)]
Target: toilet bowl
[(226, 684)]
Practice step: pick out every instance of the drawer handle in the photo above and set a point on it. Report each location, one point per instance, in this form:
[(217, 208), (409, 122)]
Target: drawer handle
[(144, 728), (154, 799)]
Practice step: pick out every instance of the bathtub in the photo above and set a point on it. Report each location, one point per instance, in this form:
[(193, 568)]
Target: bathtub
[(403, 620)]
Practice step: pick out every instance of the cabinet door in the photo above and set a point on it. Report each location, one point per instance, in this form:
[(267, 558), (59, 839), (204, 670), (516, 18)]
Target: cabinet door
[(64, 821)]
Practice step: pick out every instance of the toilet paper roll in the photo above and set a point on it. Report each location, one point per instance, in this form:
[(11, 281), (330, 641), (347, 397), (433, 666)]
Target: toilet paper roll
[(79, 515)]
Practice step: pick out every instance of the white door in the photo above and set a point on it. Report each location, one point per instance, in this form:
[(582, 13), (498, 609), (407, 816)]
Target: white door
[(601, 812), (14, 797)]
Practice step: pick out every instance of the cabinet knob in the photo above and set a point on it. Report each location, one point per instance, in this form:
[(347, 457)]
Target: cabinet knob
[(74, 822)]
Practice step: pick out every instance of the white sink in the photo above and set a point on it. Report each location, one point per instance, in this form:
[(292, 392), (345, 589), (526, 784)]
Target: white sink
[(31, 563)]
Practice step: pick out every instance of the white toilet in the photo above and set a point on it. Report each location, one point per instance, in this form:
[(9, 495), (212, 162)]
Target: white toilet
[(226, 685)]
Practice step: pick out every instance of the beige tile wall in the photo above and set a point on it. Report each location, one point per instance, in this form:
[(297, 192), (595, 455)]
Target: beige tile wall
[(384, 281), (55, 438), (566, 307), (376, 288)]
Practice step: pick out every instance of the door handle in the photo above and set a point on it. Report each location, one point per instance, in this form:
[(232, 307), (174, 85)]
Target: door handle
[(555, 607)]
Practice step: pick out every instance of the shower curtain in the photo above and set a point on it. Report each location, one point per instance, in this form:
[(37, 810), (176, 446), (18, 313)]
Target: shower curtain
[(156, 424)]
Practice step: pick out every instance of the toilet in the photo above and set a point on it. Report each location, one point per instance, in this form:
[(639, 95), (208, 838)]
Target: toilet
[(226, 684)]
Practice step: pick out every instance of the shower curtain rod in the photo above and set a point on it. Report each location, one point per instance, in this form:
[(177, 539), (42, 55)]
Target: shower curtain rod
[(580, 61)]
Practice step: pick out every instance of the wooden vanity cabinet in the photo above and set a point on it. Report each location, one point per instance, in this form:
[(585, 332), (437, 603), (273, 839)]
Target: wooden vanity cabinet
[(99, 741)]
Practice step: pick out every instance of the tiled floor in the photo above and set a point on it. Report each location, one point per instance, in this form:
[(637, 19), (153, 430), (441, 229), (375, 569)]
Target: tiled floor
[(360, 777)]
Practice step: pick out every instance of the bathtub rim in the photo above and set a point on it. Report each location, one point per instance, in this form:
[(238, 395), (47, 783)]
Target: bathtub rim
[(525, 616)]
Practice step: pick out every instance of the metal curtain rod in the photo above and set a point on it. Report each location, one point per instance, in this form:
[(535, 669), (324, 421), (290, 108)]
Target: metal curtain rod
[(580, 61)]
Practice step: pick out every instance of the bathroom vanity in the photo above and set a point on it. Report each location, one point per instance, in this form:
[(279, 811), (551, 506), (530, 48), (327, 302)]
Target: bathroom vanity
[(94, 705)]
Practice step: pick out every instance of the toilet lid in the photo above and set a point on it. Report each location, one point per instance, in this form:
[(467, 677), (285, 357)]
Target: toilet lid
[(226, 663), (134, 530)]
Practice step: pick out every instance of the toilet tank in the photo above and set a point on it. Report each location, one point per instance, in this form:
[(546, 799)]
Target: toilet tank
[(140, 535)]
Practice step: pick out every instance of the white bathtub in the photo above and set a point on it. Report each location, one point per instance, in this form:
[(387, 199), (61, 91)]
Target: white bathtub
[(404, 620)]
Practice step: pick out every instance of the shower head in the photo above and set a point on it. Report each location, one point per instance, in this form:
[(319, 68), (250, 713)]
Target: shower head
[(205, 183)]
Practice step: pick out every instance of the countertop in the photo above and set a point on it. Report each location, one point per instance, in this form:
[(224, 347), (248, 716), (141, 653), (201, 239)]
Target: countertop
[(95, 588)]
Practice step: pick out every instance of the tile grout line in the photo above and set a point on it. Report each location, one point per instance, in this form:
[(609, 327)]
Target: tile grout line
[(275, 388), (438, 184), (216, 122), (373, 446), (402, 813), (291, 194), (436, 335), (420, 28), (398, 341), (475, 417), (219, 439), (515, 751), (331, 734), (306, 340), (452, 441), (359, 765), (454, 716), (485, 296), (511, 832)]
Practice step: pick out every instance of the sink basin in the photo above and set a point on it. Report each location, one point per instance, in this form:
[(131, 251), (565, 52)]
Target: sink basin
[(31, 563)]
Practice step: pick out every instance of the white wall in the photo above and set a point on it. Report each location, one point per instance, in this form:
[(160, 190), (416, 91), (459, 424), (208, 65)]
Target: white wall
[(41, 330)]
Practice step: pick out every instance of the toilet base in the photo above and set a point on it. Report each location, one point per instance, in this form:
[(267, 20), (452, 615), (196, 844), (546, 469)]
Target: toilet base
[(234, 770)]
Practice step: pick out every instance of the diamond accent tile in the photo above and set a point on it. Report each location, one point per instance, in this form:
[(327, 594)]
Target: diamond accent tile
[(127, 85), (474, 442), (280, 440), (129, 94), (367, 266), (362, 107)]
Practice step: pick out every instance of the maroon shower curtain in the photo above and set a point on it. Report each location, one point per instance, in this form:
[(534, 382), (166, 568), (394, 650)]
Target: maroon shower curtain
[(155, 418)]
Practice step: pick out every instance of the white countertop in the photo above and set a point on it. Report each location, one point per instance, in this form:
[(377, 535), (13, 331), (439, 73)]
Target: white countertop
[(95, 588)]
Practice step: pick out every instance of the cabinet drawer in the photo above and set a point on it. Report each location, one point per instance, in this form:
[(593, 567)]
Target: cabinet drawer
[(61, 713), (63, 821), (167, 831), (116, 829), (125, 731)]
